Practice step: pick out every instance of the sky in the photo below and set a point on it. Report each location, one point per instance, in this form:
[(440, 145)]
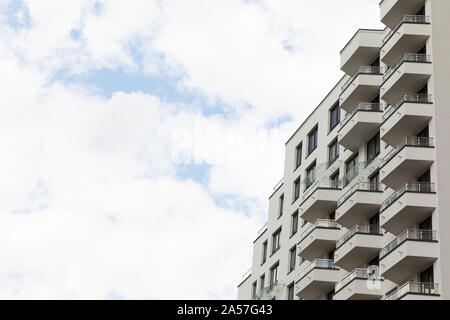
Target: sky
[(141, 139)]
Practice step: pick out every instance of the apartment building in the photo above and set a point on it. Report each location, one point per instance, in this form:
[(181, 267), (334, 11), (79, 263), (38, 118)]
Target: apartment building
[(362, 210)]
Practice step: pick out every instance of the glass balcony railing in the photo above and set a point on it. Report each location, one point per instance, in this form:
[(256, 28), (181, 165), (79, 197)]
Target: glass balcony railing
[(363, 106), (360, 186), (362, 70), (359, 229), (331, 184), (319, 224), (318, 264), (406, 19), (358, 273), (419, 187), (420, 142), (408, 57), (410, 234), (407, 98), (421, 288)]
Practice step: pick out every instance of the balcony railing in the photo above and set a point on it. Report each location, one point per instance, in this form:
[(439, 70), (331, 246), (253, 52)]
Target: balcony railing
[(422, 288), (332, 185), (318, 264), (363, 106), (420, 142), (410, 234), (359, 229), (407, 98), (419, 187), (319, 224), (360, 186), (408, 57), (358, 273), (362, 70), (406, 19)]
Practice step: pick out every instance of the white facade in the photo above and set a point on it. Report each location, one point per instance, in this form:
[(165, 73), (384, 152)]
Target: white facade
[(372, 219)]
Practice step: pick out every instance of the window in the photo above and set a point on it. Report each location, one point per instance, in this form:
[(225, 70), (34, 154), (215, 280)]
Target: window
[(254, 288), (276, 241), (373, 148), (351, 169), (292, 258), (294, 223), (262, 283), (298, 156), (296, 189), (312, 140), (335, 116), (264, 253), (274, 274), (330, 295), (310, 175), (290, 291), (280, 204), (374, 182), (334, 180), (333, 152)]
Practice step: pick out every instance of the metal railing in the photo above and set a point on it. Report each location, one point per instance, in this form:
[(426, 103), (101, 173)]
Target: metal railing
[(320, 223), (264, 228), (362, 70), (410, 234), (332, 185), (419, 187), (358, 273), (423, 288), (247, 274), (363, 229), (406, 19), (360, 186), (411, 98), (420, 142), (363, 106), (318, 263), (407, 57), (278, 185)]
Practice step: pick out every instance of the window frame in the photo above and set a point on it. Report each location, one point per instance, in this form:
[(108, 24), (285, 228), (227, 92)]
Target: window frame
[(335, 142), (313, 167), (292, 259), (265, 246), (314, 131), (294, 222), (276, 240), (289, 288), (335, 108), (280, 205), (296, 193), (273, 276), (298, 156)]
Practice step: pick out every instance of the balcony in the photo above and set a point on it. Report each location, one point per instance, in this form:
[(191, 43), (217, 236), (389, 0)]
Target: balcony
[(320, 200), (360, 125), (410, 253), (403, 119), (359, 203), (409, 35), (407, 161), (416, 291), (360, 284), (361, 244), (364, 85), (318, 239), (362, 49), (409, 74), (407, 207), (318, 279), (393, 10)]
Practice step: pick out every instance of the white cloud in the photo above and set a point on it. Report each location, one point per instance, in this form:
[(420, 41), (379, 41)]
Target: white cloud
[(91, 203)]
